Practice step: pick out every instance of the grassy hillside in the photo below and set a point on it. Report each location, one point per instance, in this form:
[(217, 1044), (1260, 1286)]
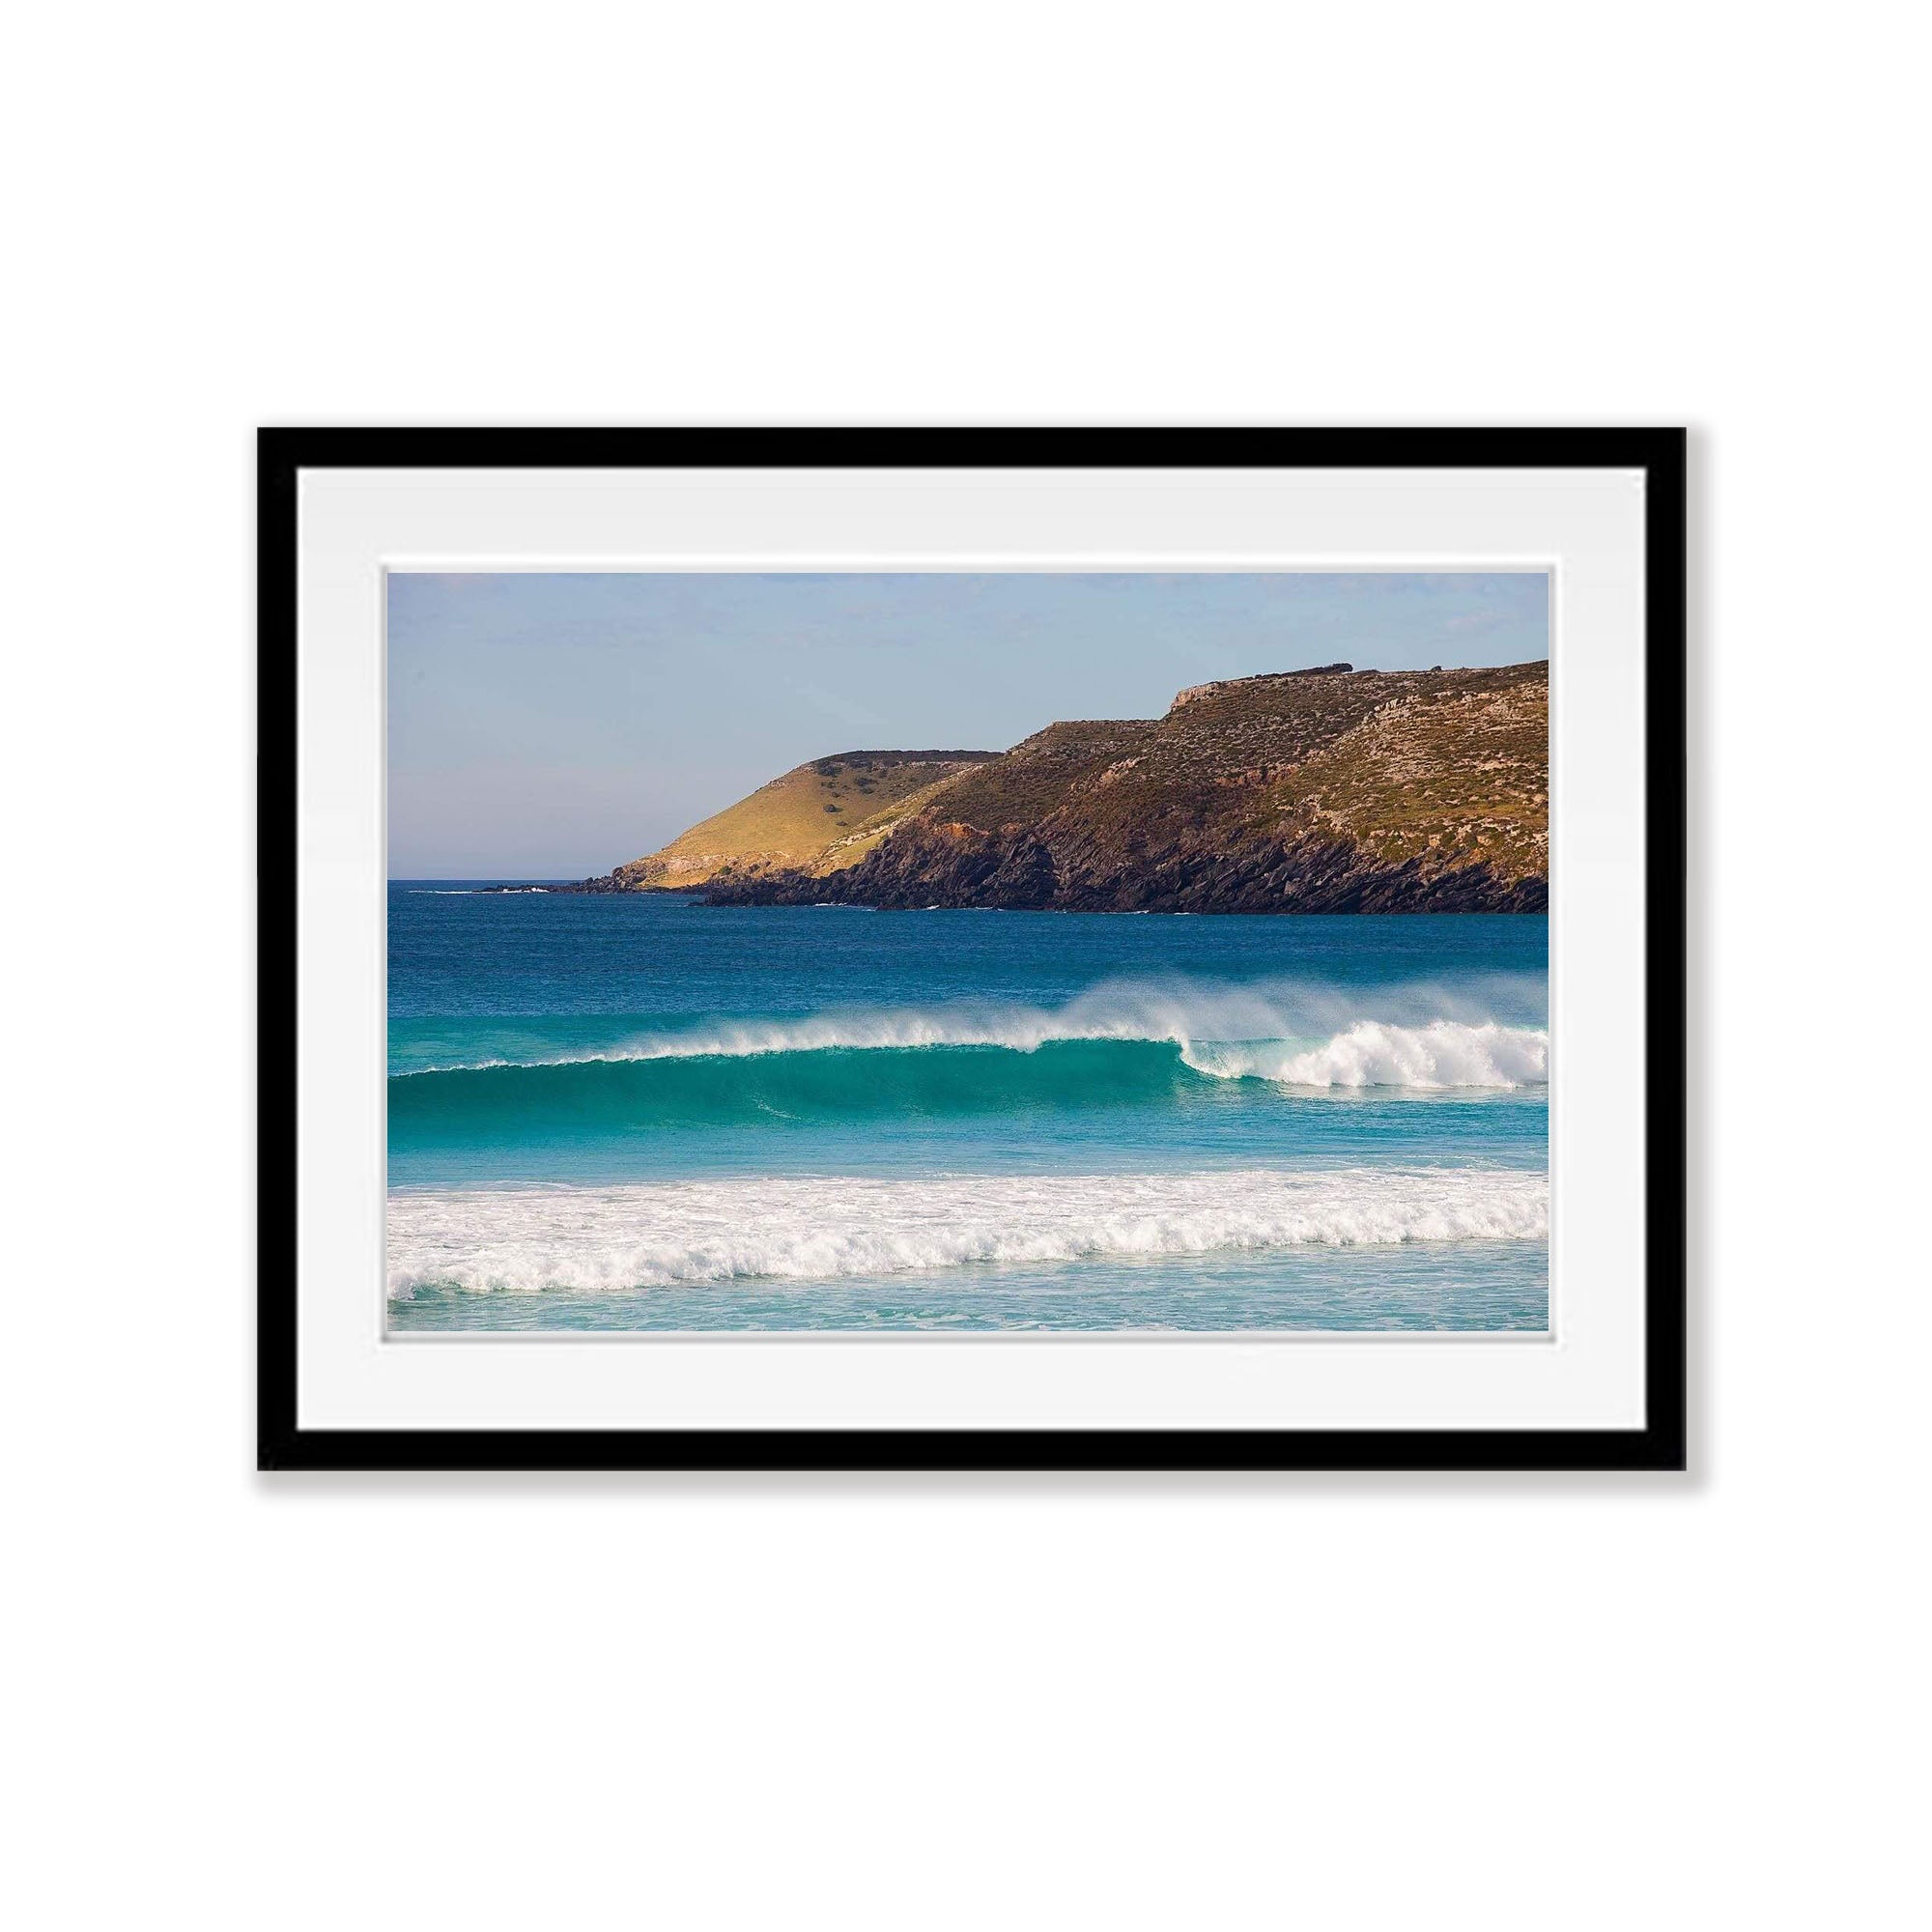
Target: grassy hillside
[(1319, 791), (1040, 773), (1449, 776), (816, 818)]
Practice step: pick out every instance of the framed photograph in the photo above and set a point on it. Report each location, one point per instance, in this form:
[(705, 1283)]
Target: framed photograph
[(971, 949)]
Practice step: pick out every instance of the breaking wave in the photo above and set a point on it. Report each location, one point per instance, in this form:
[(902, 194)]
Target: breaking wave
[(1297, 1036), (1121, 1045), (628, 1239), (858, 1084), (1187, 1015), (1446, 1053)]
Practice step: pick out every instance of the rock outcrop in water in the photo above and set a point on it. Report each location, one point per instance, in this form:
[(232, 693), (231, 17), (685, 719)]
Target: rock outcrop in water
[(1330, 790)]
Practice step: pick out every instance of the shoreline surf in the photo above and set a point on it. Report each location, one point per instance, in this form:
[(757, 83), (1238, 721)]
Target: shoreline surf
[(602, 1115)]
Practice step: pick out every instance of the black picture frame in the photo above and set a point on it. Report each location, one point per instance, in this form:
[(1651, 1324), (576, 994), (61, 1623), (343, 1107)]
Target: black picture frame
[(1659, 1444)]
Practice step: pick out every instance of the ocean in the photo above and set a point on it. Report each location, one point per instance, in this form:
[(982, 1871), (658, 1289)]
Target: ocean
[(640, 1113)]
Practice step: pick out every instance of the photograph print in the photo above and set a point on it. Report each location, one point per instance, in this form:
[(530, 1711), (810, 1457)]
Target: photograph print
[(975, 954)]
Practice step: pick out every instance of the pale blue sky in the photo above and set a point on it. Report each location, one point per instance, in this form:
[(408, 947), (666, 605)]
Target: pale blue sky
[(549, 726)]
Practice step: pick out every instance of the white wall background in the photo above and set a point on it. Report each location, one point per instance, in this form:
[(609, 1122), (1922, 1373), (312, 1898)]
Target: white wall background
[(1375, 1702)]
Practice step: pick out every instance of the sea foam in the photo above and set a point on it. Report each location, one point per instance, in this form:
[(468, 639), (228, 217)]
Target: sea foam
[(1371, 1053), (1293, 1036), (618, 1240)]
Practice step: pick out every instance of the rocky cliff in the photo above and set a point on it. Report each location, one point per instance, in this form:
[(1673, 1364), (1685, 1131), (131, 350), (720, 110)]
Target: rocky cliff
[(1330, 790)]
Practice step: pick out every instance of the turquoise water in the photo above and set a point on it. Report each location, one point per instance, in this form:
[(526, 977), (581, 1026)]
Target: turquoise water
[(641, 1113)]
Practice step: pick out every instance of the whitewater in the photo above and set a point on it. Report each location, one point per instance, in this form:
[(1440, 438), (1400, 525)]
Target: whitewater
[(642, 1114), (608, 1239), (1240, 1032)]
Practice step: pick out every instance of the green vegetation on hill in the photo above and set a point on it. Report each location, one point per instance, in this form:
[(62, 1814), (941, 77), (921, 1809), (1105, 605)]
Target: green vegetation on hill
[(1329, 790), (1450, 775)]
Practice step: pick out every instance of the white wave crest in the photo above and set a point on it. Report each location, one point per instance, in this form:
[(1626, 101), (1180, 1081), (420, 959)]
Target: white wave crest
[(1187, 1014), (1293, 1036), (1179, 1012), (615, 1239), (1446, 1053)]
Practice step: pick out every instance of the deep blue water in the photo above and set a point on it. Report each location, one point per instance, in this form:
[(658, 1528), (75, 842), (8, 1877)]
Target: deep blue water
[(637, 1111)]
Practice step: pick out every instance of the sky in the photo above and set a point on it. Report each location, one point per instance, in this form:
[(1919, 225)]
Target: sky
[(555, 727)]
